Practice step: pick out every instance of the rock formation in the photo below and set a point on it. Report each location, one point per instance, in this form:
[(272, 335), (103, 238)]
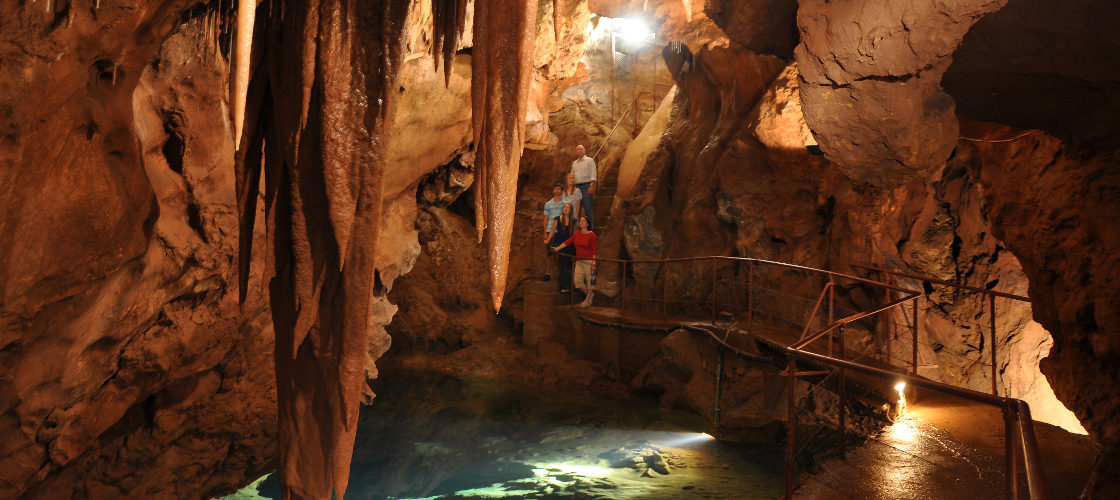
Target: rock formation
[(1066, 209), (872, 82), (131, 370), (125, 355)]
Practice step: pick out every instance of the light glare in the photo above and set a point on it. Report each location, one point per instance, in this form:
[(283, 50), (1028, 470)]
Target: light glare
[(633, 30)]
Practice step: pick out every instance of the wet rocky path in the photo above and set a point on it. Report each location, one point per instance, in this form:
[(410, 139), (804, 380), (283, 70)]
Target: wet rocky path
[(946, 448)]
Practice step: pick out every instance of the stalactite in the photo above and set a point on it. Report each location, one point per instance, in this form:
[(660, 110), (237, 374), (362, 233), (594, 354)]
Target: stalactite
[(687, 9), (449, 18), (246, 15), (500, 76), (323, 128), (557, 5)]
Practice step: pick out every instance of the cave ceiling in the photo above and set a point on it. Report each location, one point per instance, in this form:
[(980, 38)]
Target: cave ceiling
[(1045, 64)]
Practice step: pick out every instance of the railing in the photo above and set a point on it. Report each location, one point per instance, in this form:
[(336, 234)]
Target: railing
[(1017, 419), (639, 281), (890, 275)]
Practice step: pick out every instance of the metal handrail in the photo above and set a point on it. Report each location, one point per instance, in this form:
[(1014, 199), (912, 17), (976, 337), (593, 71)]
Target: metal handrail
[(945, 283), (1036, 483), (1018, 420), (816, 307), (855, 317), (991, 305)]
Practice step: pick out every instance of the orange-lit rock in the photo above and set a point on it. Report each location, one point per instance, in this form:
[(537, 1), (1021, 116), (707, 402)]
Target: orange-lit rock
[(125, 355), (778, 121), (871, 82), (1056, 213)]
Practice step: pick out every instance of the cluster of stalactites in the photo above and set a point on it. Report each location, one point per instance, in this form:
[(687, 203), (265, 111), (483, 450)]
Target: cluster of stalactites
[(449, 18), (501, 72), (314, 126), (314, 119)]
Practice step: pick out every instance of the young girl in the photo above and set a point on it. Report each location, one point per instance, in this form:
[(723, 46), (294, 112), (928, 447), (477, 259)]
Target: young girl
[(562, 228), (571, 194), (587, 250)]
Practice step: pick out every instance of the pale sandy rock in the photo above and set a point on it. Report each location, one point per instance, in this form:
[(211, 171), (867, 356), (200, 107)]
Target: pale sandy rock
[(442, 112), (778, 121), (639, 150)]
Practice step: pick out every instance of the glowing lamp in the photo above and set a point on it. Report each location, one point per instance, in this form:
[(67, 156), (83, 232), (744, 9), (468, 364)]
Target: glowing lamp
[(633, 31)]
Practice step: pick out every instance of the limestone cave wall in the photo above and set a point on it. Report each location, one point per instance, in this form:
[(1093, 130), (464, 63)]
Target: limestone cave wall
[(126, 357), (129, 369)]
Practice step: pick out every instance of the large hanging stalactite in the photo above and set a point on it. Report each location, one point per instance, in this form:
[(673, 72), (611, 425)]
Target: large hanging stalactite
[(323, 114), (501, 69), (318, 124)]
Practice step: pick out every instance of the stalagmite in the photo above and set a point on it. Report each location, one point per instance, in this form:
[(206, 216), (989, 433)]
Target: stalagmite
[(246, 15), (501, 70), (323, 129)]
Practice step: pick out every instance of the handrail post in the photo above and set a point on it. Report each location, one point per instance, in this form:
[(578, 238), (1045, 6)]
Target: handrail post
[(992, 303), (831, 297), (842, 395), (791, 424), (714, 290), (622, 290), (1009, 427), (1032, 462), (719, 385), (914, 335), (831, 300), (750, 293), (890, 324), (664, 288), (914, 353)]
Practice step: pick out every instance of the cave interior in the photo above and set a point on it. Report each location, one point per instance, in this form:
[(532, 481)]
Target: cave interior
[(286, 247)]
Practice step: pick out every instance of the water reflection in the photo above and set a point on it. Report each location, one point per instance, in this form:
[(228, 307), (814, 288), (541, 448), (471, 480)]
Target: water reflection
[(431, 436)]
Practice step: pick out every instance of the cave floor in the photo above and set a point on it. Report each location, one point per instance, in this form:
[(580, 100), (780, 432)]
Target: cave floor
[(947, 447)]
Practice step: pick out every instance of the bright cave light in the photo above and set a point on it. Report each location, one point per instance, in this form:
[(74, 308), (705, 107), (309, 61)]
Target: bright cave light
[(680, 439), (633, 31)]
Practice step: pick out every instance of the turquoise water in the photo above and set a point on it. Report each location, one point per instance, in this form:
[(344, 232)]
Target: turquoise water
[(432, 436)]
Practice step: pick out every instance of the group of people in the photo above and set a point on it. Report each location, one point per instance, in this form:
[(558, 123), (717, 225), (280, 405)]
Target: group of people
[(568, 226)]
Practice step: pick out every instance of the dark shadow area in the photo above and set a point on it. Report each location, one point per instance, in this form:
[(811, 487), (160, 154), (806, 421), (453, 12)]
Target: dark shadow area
[(1046, 64)]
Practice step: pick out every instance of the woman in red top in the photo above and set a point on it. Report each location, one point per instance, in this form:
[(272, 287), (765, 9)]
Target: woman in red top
[(587, 249)]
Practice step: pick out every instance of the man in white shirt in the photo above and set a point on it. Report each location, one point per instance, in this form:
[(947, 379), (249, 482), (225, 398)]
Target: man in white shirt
[(587, 176)]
